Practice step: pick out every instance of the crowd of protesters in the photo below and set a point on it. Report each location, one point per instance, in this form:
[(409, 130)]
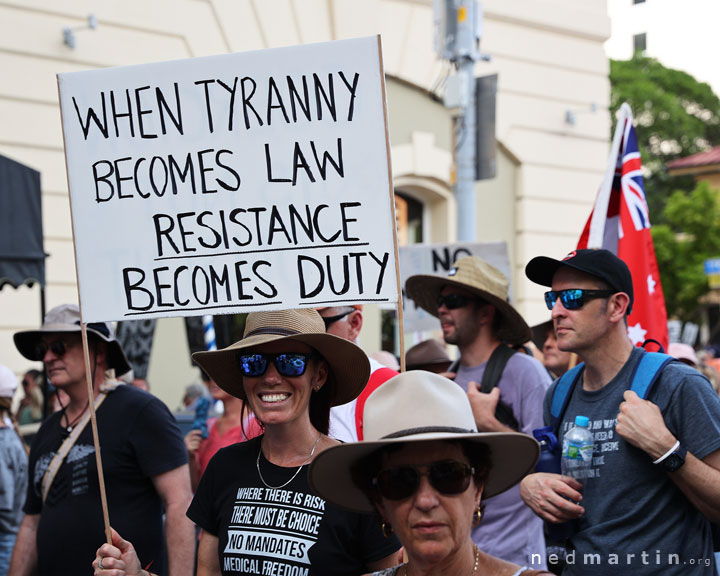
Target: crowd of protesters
[(313, 439)]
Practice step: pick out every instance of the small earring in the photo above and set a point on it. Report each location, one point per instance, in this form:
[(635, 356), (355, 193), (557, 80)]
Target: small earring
[(387, 529), (477, 516)]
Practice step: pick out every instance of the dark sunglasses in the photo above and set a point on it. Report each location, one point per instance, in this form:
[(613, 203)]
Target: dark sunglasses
[(446, 476), (330, 320), (288, 365), (574, 298), (453, 301), (57, 347)]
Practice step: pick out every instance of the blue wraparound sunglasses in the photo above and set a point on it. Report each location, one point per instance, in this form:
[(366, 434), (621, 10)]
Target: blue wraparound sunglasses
[(574, 298), (287, 365)]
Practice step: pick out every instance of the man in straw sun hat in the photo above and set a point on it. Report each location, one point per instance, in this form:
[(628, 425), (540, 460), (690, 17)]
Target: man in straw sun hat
[(425, 470), (471, 302), (143, 455)]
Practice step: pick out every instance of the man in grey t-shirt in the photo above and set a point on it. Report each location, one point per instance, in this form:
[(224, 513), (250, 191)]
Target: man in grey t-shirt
[(655, 477), (472, 305)]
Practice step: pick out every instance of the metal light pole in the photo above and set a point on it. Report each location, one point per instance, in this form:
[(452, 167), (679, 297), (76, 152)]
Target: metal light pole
[(464, 59)]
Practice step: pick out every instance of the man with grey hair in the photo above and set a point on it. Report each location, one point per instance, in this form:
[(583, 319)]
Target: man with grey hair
[(143, 453)]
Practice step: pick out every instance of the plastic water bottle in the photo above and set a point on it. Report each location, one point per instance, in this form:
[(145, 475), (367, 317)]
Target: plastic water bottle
[(577, 450)]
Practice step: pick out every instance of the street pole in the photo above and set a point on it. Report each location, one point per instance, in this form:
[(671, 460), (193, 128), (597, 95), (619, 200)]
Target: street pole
[(465, 57)]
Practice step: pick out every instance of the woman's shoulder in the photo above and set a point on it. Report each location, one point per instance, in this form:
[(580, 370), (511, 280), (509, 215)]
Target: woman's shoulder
[(238, 450)]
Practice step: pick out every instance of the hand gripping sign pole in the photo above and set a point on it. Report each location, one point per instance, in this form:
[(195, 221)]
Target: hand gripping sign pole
[(253, 181)]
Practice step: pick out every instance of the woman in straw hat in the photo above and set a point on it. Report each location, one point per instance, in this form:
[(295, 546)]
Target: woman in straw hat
[(424, 469), (254, 503)]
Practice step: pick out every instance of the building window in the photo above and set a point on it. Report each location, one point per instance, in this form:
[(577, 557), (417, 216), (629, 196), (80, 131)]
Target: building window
[(409, 216), (640, 42)]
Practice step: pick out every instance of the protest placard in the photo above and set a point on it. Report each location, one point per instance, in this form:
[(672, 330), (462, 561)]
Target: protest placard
[(231, 183), (438, 259)]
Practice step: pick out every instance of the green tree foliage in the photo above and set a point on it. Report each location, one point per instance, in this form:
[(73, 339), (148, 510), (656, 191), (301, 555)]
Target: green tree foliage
[(689, 235), (675, 116)]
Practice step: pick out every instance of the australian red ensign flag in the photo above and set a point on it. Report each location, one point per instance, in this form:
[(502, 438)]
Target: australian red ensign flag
[(620, 223)]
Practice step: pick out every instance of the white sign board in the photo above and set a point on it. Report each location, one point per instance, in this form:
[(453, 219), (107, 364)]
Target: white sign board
[(225, 184), (438, 259)]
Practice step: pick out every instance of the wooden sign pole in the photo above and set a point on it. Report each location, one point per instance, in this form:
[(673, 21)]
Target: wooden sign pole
[(96, 438), (400, 319)]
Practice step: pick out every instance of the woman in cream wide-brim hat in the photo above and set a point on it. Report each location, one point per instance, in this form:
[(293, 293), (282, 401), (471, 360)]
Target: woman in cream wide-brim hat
[(423, 469)]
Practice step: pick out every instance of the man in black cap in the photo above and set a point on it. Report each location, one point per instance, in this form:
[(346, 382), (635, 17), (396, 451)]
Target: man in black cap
[(644, 504), (143, 456)]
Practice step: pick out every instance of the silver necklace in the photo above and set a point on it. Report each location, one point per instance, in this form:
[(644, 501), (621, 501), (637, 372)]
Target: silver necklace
[(257, 465)]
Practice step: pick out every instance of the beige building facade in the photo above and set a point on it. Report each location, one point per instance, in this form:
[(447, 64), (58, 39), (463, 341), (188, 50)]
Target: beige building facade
[(548, 55)]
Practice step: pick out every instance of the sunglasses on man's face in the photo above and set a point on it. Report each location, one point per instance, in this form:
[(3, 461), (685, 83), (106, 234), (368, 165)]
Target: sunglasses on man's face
[(57, 347), (287, 365), (453, 301), (448, 477), (574, 298)]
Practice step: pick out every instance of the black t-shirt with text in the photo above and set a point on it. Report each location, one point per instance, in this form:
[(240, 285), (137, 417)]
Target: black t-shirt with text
[(286, 531)]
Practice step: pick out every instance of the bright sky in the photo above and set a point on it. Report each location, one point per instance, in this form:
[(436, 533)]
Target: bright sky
[(682, 34)]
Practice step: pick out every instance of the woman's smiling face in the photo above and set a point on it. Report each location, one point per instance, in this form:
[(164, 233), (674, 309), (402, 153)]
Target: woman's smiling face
[(277, 399)]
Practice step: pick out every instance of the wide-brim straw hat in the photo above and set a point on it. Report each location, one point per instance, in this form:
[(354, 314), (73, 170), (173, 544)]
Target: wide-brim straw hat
[(349, 368), (419, 406), (480, 278), (66, 319)]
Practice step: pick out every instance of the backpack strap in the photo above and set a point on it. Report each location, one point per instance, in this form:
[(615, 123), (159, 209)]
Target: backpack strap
[(69, 442), (647, 371), (495, 366), (561, 395), (493, 371)]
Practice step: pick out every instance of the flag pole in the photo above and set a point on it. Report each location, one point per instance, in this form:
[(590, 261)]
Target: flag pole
[(599, 215)]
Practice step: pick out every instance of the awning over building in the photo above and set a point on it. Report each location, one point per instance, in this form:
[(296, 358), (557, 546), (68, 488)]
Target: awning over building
[(22, 257)]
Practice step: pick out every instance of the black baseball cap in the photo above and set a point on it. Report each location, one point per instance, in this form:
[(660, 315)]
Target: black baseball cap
[(600, 263)]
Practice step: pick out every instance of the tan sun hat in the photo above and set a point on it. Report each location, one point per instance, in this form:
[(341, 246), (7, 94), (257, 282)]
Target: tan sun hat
[(348, 364), (419, 406), (66, 319), (477, 276)]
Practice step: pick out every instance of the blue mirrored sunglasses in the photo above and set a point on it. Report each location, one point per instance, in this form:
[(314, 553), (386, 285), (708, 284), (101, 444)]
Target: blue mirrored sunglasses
[(287, 365), (574, 298)]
